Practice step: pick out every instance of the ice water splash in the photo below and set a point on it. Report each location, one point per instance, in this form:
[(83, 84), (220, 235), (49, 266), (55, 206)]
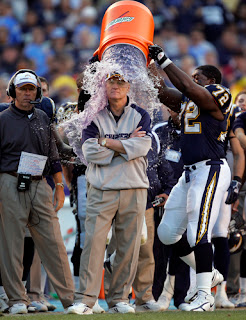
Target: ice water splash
[(126, 60)]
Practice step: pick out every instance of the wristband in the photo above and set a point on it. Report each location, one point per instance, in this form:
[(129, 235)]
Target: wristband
[(163, 61), (61, 184), (166, 63), (237, 178)]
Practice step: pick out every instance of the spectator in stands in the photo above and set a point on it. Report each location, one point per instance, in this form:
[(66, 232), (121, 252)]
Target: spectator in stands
[(38, 51)]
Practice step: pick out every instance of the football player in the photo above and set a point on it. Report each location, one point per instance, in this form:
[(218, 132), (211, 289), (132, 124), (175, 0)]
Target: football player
[(195, 201)]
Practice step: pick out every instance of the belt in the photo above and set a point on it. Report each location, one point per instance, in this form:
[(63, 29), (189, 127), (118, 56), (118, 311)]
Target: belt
[(15, 174), (193, 167)]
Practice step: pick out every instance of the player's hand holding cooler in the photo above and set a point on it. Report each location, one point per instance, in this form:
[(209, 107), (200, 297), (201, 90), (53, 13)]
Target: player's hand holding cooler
[(157, 53), (233, 190)]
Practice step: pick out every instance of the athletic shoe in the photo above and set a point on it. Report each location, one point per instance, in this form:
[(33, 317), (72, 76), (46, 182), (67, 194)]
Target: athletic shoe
[(164, 301), (203, 302), (222, 301), (39, 305), (18, 308), (182, 306), (4, 297), (31, 309), (217, 278), (3, 304), (97, 308), (44, 299), (167, 292), (122, 307), (78, 308), (150, 306), (234, 298), (241, 301)]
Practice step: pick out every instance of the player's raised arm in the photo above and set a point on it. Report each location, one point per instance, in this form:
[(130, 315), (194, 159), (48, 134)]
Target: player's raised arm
[(191, 89)]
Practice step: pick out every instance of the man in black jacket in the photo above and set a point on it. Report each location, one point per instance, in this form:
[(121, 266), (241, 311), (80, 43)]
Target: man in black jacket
[(26, 198)]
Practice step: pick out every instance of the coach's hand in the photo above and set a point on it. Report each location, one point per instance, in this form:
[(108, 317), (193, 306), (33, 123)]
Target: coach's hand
[(233, 192)]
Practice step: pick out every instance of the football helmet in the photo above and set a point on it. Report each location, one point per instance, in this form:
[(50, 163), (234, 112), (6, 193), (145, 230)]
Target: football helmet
[(235, 242), (65, 111), (236, 233)]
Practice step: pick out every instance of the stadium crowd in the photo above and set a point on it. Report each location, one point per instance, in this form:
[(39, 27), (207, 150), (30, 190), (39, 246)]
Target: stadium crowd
[(56, 39)]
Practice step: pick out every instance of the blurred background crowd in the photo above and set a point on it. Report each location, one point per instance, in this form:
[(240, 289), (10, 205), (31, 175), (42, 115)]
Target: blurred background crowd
[(57, 37)]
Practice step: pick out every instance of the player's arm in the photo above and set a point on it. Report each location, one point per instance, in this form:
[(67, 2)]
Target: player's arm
[(240, 134), (198, 94), (170, 97), (239, 126), (238, 169), (238, 156)]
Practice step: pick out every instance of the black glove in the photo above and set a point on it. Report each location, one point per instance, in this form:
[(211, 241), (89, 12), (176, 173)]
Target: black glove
[(157, 53), (94, 59), (236, 222), (233, 192), (83, 98)]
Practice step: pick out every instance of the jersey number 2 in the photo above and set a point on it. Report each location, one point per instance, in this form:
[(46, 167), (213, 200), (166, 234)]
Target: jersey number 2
[(191, 114)]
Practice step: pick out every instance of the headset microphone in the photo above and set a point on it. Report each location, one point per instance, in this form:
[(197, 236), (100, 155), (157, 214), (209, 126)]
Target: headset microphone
[(38, 101)]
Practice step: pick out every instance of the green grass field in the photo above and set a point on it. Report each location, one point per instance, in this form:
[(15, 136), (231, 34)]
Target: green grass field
[(168, 315)]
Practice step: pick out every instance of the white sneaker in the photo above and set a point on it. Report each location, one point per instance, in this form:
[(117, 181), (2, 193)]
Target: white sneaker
[(167, 292), (150, 306), (44, 300), (217, 278), (164, 301), (78, 308), (222, 301), (122, 307), (39, 305), (18, 308), (241, 300), (31, 309), (3, 305), (203, 302), (182, 306), (97, 308), (234, 299)]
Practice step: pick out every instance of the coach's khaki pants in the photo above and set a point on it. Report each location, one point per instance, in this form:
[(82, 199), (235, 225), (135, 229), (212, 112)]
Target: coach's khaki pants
[(144, 278), (127, 207), (35, 208)]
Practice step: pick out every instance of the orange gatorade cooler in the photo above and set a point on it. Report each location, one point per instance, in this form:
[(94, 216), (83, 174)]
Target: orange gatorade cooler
[(127, 22)]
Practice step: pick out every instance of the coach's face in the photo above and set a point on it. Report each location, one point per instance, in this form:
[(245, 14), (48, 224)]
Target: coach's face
[(24, 95), (117, 89)]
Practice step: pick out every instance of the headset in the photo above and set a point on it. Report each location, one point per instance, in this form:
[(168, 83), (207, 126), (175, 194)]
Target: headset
[(11, 87)]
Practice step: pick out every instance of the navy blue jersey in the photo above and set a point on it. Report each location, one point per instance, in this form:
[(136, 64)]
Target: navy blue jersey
[(235, 111), (240, 122), (202, 136)]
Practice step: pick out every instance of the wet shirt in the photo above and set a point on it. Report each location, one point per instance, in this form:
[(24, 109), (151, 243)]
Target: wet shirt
[(105, 171), (202, 136)]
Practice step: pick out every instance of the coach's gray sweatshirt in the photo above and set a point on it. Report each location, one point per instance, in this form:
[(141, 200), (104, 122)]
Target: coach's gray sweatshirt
[(126, 171)]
